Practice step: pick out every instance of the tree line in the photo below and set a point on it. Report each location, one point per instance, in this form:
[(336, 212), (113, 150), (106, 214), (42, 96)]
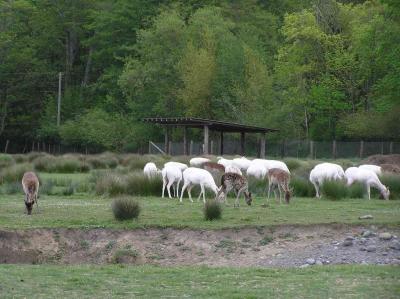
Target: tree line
[(315, 69)]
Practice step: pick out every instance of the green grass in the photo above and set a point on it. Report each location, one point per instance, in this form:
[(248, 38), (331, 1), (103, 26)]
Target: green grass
[(116, 281), (82, 211)]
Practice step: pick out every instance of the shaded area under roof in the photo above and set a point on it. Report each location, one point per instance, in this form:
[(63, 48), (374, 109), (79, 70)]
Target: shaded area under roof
[(214, 125)]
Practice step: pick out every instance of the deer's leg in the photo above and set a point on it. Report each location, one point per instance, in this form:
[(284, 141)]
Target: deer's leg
[(183, 190), (190, 192), (177, 188), (238, 196), (280, 193), (369, 191), (163, 187), (170, 183), (204, 192)]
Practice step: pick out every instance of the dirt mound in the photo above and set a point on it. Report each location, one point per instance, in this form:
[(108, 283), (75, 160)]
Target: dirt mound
[(282, 246), (390, 168), (383, 159)]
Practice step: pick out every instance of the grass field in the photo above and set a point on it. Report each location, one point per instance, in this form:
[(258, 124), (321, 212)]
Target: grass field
[(90, 211), (197, 282)]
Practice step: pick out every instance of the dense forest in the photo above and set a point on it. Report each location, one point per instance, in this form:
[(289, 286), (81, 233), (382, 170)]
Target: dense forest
[(315, 69)]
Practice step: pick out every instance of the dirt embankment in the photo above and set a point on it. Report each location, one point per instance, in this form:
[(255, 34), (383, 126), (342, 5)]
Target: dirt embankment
[(284, 246), (389, 163)]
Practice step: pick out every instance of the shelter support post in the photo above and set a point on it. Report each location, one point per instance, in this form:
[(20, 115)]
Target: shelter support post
[(242, 141), (262, 146), (221, 145), (185, 149), (206, 138), (166, 140)]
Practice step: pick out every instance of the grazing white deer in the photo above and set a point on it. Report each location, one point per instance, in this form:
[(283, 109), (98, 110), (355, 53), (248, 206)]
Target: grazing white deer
[(368, 178), (171, 175), (197, 176), (323, 172), (150, 170), (30, 185), (281, 179)]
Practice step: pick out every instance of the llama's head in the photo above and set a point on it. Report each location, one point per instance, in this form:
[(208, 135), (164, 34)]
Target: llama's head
[(248, 198)]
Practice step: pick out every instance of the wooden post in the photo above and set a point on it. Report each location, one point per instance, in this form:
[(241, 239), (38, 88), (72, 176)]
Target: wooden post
[(191, 148), (6, 148), (334, 149), (211, 147), (361, 148), (242, 140), (262, 146), (221, 145), (166, 140), (311, 149), (382, 148), (185, 149), (169, 147), (33, 146), (391, 147), (149, 147), (206, 138)]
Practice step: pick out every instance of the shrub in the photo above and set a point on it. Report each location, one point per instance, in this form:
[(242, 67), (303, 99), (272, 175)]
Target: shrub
[(46, 187), (6, 160), (110, 184), (293, 164), (124, 256), (334, 190), (20, 158), (212, 210), (103, 161), (68, 191), (393, 182), (48, 163), (14, 173), (12, 188), (356, 190), (137, 184), (125, 208), (302, 187)]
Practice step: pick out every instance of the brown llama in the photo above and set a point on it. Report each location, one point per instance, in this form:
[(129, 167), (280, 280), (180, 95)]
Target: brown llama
[(30, 184), (281, 179), (236, 182)]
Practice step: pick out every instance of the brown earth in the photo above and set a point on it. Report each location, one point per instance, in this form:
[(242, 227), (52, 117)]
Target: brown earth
[(383, 159), (282, 246)]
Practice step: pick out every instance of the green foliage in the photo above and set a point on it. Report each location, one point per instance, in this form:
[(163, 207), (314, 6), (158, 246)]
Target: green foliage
[(212, 210), (6, 160), (125, 208), (14, 173), (124, 255), (356, 190), (334, 190), (393, 183), (62, 164), (302, 187)]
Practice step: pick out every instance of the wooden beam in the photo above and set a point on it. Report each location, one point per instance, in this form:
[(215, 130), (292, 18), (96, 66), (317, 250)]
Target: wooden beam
[(166, 139), (206, 138), (262, 146)]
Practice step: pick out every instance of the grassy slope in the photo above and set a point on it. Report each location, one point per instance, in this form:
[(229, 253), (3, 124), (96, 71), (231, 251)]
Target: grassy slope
[(83, 211), (198, 282)]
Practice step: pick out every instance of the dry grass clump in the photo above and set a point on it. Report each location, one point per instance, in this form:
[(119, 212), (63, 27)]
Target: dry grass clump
[(14, 173), (6, 160), (62, 164), (212, 210), (125, 208)]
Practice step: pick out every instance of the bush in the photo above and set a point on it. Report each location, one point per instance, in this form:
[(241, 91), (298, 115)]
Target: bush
[(393, 182), (125, 208), (293, 164), (110, 184), (14, 173), (137, 184), (356, 190), (334, 190), (21, 158), (124, 256), (68, 191), (302, 187), (103, 161), (6, 160), (46, 187), (12, 188), (69, 164), (212, 210)]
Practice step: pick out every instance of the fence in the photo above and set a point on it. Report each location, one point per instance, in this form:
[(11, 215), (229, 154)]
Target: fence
[(292, 148)]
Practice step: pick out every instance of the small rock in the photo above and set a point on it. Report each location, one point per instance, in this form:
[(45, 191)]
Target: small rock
[(363, 249), (304, 266), (349, 238), (395, 245), (366, 217), (371, 248), (327, 262), (319, 263), (367, 233), (385, 236), (347, 243), (364, 263), (384, 253), (310, 261), (335, 247)]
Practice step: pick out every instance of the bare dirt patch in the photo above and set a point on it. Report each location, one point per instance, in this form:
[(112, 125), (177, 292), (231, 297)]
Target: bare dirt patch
[(384, 159), (282, 246)]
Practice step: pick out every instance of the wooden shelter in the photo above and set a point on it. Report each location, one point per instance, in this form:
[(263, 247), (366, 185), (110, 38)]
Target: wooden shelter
[(209, 125)]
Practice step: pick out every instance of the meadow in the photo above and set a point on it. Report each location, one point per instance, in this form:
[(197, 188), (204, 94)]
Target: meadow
[(77, 192)]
